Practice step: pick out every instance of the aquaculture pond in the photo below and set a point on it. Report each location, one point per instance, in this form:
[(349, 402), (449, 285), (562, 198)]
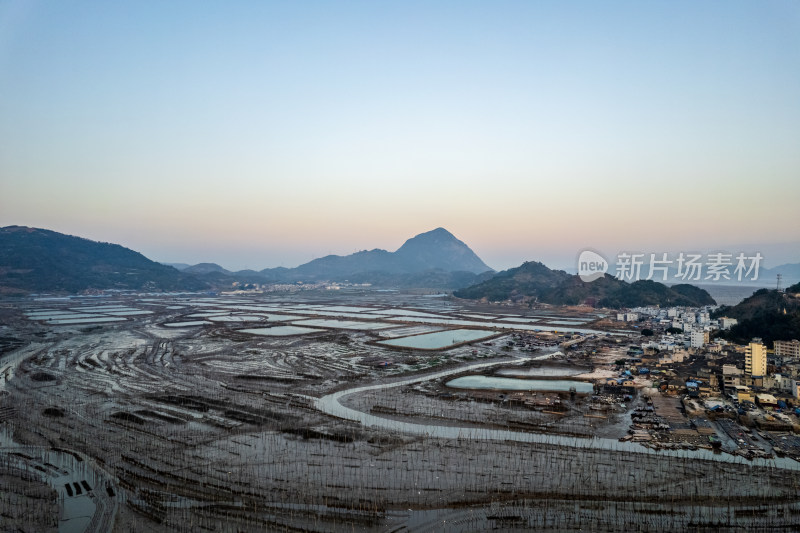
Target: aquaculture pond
[(280, 331), (495, 383), (235, 318), (566, 322), (439, 339), (406, 312), (188, 324), (97, 320), (542, 371), (343, 324)]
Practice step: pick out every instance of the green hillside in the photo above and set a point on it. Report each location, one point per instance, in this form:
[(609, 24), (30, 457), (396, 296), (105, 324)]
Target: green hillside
[(768, 314), (39, 260), (534, 282)]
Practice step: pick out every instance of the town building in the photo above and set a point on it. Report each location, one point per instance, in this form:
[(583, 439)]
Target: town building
[(787, 349), (755, 359), (698, 339), (731, 376)]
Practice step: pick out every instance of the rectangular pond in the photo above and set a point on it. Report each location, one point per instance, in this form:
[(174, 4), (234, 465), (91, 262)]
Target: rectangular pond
[(281, 318), (346, 309), (337, 314), (542, 372), (280, 331), (235, 318), (408, 331), (99, 320), (189, 324), (539, 385), (439, 339), (47, 312), (405, 313), (64, 316), (566, 322), (102, 308), (501, 325), (343, 324), (266, 308)]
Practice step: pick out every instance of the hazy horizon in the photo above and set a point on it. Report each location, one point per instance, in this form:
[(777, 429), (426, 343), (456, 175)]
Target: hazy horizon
[(514, 258), (261, 134)]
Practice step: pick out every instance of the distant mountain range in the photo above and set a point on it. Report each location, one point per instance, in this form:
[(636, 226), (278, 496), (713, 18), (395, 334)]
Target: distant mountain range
[(789, 271), (534, 282), (38, 260), (432, 259)]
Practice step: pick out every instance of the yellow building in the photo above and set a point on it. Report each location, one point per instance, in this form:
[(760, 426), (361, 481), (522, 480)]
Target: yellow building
[(755, 359), (744, 394)]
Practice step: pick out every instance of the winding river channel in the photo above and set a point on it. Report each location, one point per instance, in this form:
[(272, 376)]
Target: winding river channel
[(331, 404)]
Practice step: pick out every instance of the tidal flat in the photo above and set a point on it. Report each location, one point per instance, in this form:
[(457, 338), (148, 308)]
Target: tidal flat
[(178, 424)]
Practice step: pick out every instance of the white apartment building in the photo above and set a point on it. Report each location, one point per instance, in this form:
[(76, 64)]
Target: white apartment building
[(698, 339)]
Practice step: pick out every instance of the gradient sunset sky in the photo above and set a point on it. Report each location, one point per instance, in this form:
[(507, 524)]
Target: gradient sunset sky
[(260, 134)]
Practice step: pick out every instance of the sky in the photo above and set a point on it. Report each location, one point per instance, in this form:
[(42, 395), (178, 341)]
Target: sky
[(263, 134)]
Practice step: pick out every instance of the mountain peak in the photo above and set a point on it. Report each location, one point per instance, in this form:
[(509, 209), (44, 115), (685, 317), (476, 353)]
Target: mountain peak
[(438, 231), (439, 249), (438, 234), (205, 268)]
